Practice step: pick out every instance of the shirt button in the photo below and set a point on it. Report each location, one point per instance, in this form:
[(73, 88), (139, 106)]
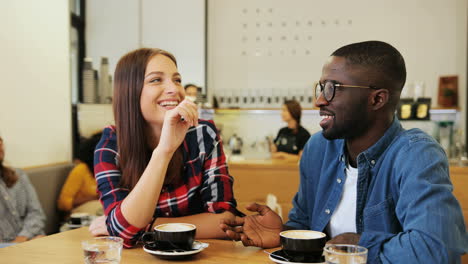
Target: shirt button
[(338, 180), (327, 211), (372, 162)]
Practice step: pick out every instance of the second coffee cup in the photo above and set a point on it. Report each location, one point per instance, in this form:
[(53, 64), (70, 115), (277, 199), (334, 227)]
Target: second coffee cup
[(303, 245), (177, 236)]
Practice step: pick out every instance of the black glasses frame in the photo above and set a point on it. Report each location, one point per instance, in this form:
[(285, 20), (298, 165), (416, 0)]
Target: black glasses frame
[(319, 92)]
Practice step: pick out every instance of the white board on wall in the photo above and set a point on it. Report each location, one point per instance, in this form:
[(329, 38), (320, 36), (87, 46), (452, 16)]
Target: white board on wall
[(274, 44)]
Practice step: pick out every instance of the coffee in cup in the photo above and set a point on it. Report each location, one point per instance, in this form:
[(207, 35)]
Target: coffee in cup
[(303, 245), (171, 236)]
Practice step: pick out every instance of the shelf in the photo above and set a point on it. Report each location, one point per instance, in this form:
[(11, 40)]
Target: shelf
[(311, 110), (437, 114)]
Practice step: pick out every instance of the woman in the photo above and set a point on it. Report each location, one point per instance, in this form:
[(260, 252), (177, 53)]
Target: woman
[(290, 141), (159, 163), (22, 217), (78, 194)]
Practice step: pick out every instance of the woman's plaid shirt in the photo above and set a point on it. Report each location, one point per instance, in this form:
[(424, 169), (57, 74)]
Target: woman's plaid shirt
[(206, 185)]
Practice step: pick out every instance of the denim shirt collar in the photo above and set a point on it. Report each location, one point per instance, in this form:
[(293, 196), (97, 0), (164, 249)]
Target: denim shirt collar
[(373, 153)]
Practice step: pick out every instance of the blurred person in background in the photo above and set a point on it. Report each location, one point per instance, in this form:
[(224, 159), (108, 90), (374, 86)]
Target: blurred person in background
[(291, 139), (21, 215), (79, 193), (191, 91)]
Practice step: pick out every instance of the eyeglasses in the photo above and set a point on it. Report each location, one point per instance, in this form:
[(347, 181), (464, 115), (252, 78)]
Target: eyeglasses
[(328, 89)]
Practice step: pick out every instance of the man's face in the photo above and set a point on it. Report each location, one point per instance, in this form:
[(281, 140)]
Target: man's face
[(191, 91), (346, 115)]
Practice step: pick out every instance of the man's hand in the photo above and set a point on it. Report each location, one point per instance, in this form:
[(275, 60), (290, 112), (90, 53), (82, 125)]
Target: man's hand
[(345, 238), (98, 227), (260, 230)]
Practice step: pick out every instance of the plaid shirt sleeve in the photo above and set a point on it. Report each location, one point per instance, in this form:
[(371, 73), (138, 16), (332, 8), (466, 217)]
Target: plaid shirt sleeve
[(111, 195), (217, 192)]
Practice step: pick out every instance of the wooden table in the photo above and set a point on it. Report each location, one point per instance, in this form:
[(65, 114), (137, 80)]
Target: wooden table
[(65, 247)]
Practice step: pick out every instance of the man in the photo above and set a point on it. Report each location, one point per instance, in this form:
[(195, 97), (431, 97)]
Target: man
[(365, 180), (191, 91)]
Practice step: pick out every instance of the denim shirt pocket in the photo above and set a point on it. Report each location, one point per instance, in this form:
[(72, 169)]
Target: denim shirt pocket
[(381, 216)]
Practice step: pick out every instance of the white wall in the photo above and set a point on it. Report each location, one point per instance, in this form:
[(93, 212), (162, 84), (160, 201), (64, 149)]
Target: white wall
[(115, 27), (273, 44), (35, 111)]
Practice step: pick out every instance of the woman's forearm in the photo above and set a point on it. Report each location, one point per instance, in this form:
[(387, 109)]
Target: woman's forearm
[(138, 207), (207, 223)]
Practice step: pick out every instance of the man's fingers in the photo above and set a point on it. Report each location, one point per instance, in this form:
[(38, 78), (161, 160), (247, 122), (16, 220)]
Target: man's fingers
[(261, 209), (225, 227), (233, 235), (236, 229), (246, 241), (235, 222)]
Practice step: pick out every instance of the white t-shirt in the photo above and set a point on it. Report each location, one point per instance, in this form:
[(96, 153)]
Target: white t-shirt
[(344, 218)]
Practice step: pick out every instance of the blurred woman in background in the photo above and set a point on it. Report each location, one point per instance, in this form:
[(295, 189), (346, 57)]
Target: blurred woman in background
[(291, 139), (21, 214), (79, 194)]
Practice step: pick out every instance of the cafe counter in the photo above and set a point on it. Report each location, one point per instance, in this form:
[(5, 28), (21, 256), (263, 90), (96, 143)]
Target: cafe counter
[(272, 182)]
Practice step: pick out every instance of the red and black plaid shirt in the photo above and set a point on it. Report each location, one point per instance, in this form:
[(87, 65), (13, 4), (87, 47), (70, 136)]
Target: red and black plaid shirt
[(206, 185)]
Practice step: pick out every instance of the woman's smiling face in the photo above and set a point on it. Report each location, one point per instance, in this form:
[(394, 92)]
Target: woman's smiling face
[(162, 89)]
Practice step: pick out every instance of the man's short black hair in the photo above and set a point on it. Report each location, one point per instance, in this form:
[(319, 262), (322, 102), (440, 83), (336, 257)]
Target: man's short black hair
[(190, 85), (382, 57)]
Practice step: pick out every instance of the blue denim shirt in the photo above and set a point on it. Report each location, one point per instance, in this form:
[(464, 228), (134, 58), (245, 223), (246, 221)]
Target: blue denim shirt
[(405, 209)]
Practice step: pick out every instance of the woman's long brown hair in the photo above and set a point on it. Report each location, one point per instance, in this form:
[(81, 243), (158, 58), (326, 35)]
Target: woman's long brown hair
[(134, 152), (295, 110)]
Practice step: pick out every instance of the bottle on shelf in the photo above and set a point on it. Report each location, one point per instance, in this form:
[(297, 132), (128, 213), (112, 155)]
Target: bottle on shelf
[(89, 87), (105, 95)]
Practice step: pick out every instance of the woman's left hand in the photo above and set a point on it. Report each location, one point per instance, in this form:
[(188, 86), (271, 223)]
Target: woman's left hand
[(98, 227), (176, 123)]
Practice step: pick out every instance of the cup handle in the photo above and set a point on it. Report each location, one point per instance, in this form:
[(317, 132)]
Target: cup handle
[(148, 239)]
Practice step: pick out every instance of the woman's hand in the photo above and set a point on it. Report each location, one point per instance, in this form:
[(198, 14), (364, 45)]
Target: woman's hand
[(176, 123), (98, 227)]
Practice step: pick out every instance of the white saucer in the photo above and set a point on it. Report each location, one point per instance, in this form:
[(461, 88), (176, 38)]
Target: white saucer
[(281, 261), (196, 248)]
